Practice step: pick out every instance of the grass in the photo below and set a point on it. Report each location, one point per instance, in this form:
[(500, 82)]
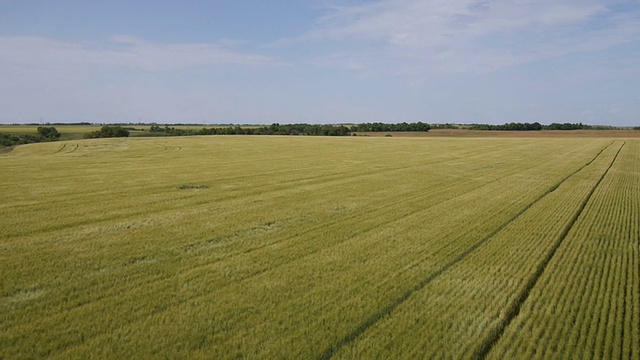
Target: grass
[(301, 247)]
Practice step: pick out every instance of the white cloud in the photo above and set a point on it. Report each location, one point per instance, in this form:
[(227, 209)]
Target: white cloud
[(42, 54), (122, 79), (452, 36)]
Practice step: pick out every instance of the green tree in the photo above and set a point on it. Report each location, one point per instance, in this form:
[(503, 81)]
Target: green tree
[(49, 132), (108, 131)]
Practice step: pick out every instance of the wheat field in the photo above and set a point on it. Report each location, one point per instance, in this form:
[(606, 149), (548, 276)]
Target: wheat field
[(321, 247)]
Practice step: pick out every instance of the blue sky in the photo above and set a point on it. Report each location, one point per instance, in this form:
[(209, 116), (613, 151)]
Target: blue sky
[(320, 61)]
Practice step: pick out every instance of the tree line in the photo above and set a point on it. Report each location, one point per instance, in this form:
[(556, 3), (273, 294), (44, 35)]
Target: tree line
[(398, 127), (567, 126), (513, 126), (293, 129), (43, 134), (108, 132), (273, 129)]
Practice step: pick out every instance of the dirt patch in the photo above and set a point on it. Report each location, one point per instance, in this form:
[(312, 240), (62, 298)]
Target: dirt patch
[(193, 186), (6, 150)]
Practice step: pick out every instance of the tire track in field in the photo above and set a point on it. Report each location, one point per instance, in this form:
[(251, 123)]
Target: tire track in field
[(375, 318), (67, 149), (62, 148), (514, 309)]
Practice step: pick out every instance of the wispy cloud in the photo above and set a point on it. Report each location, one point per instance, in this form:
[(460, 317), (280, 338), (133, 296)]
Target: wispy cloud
[(38, 53), (452, 36), (123, 78)]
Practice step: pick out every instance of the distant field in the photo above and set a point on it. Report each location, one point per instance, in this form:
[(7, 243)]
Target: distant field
[(68, 132), (26, 129), (321, 247), (502, 134)]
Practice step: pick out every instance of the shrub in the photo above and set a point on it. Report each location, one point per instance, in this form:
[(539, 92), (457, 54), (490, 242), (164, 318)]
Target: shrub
[(108, 132)]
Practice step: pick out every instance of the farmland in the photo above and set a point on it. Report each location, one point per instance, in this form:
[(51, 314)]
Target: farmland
[(315, 247), (68, 132)]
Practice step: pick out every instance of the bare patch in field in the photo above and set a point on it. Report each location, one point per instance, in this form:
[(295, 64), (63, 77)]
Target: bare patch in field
[(24, 295), (193, 186), (6, 150)]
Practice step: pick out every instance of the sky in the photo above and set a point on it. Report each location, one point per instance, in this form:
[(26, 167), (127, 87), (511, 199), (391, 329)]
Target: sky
[(320, 61)]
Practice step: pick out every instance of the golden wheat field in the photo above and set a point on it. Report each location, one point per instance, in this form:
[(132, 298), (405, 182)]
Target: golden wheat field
[(321, 247)]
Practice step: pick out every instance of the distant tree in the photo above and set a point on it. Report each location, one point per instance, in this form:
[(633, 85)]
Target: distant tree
[(155, 128), (381, 127), (12, 140), (567, 126), (44, 134), (513, 126), (273, 129), (108, 132), (49, 132)]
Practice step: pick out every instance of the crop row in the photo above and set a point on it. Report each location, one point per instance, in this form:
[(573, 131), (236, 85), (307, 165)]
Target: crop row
[(587, 304)]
